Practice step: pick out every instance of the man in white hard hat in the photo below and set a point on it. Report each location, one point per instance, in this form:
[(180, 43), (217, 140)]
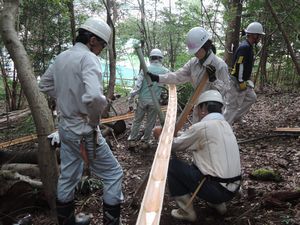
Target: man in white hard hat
[(75, 81), (216, 160), (199, 44), (241, 95), (145, 105)]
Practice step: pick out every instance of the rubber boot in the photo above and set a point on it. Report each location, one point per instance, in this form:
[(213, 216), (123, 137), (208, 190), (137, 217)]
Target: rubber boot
[(184, 212), (111, 214), (66, 216)]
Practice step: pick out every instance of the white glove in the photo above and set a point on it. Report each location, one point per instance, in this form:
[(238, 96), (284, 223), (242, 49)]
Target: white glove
[(55, 140), (250, 83)]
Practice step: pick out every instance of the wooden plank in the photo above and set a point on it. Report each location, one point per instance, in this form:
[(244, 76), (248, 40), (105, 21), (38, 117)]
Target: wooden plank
[(33, 137), (188, 107), (18, 141), (124, 116), (287, 129), (152, 203)]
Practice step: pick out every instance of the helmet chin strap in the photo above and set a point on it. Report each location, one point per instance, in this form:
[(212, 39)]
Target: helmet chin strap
[(206, 56)]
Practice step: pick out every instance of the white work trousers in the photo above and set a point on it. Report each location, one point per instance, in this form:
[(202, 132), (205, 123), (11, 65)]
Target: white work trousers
[(238, 103), (104, 166)]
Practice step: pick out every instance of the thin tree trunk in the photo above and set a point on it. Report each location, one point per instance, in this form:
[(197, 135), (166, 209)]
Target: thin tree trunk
[(70, 5), (146, 40), (6, 86), (233, 30), (111, 52), (291, 51), (37, 102)]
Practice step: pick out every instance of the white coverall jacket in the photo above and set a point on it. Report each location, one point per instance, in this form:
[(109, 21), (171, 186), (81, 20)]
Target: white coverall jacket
[(193, 72), (214, 147), (74, 79)]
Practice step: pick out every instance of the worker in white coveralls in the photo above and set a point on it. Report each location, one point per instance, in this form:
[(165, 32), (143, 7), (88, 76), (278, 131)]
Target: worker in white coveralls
[(199, 44), (75, 81), (216, 167), (241, 95), (145, 105)]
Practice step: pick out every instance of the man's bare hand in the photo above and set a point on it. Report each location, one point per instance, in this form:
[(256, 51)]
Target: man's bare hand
[(157, 131)]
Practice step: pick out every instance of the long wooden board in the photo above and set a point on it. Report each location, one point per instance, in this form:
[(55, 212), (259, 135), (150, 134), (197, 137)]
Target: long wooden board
[(188, 107), (287, 129), (152, 203), (124, 116), (33, 137)]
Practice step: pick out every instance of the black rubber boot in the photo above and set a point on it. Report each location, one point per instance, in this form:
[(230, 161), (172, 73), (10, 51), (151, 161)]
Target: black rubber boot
[(65, 214), (111, 214)]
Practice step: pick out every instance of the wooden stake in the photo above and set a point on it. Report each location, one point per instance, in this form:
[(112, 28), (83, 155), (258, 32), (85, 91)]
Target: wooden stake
[(188, 107)]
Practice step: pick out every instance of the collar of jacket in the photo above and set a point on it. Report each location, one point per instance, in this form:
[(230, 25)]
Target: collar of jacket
[(81, 46), (213, 116)]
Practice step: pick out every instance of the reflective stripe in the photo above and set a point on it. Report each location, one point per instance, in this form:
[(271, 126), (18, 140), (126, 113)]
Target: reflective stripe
[(240, 60)]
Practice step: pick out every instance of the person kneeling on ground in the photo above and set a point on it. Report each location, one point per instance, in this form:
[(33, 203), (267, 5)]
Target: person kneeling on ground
[(216, 164)]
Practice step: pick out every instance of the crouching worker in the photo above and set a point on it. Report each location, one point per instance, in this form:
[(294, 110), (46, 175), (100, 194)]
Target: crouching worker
[(75, 81), (215, 173)]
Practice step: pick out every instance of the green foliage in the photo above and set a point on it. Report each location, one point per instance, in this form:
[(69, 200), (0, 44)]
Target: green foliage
[(21, 128), (45, 29), (122, 90), (287, 220), (184, 92), (266, 175), (2, 91), (88, 185)]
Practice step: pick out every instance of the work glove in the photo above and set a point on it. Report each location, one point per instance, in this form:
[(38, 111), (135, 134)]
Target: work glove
[(243, 86), (154, 77), (250, 83), (211, 71), (54, 138)]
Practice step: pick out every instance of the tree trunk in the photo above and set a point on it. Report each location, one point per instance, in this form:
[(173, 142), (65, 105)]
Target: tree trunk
[(144, 34), (72, 19), (233, 29), (37, 102), (111, 51), (263, 65), (291, 51)]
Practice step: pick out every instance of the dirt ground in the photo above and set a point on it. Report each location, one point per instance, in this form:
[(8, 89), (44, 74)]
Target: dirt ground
[(259, 148)]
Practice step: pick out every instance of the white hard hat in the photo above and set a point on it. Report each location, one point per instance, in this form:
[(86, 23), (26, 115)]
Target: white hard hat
[(156, 52), (196, 38), (255, 28), (210, 96), (98, 27)]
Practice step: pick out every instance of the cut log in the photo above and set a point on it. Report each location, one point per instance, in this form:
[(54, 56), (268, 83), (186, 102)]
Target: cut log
[(21, 156), (18, 198), (11, 175), (26, 169), (281, 198), (9, 156)]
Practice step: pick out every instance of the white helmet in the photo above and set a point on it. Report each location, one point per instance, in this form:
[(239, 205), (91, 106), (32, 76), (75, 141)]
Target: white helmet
[(196, 38), (255, 28), (210, 96), (98, 27), (156, 52)]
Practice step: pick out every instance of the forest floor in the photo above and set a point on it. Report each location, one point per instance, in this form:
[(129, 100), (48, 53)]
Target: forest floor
[(259, 149)]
